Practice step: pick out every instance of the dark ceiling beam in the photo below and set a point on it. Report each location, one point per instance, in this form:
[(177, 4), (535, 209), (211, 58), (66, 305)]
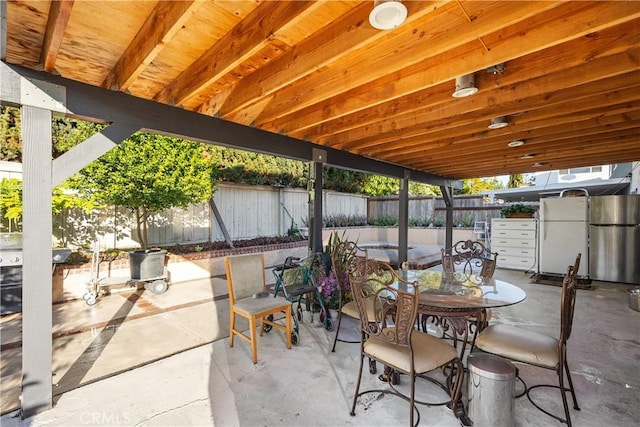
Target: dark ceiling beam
[(99, 104)]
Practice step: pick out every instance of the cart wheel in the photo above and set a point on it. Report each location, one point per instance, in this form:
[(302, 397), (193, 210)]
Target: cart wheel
[(299, 313), (158, 287), (372, 366), (328, 325), (294, 338), (86, 296), (267, 327), (91, 299)]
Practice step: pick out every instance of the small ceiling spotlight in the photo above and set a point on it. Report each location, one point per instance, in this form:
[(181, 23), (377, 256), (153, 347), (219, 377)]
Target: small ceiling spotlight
[(528, 156), (465, 86), (538, 164), (496, 69), (516, 143), (498, 122), (387, 14)]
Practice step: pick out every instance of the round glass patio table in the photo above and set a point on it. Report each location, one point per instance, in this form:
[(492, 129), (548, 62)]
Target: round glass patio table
[(457, 303), (458, 292)]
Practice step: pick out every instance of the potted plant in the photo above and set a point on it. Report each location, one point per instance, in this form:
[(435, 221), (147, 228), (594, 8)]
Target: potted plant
[(148, 174), (518, 210)]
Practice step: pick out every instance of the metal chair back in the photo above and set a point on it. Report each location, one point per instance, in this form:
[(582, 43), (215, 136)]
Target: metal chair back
[(469, 257)]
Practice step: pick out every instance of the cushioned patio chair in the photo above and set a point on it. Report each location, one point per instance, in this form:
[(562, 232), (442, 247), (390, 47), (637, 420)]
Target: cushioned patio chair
[(249, 298), (537, 349), (391, 338)]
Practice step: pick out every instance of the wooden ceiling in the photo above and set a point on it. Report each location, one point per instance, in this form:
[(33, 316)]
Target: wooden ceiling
[(565, 75)]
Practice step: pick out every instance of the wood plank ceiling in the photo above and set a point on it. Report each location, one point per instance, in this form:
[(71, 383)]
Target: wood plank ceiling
[(565, 75)]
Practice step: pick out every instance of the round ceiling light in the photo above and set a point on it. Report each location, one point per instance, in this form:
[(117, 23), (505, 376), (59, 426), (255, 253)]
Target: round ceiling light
[(538, 164), (498, 122), (516, 143), (465, 86), (528, 156), (388, 14)]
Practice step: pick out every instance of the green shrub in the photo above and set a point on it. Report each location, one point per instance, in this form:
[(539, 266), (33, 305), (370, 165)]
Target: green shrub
[(383, 221)]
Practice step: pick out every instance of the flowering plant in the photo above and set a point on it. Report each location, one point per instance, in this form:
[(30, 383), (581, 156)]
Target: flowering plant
[(328, 288)]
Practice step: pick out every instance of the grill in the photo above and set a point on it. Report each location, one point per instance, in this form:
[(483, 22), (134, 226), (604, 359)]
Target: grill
[(11, 271)]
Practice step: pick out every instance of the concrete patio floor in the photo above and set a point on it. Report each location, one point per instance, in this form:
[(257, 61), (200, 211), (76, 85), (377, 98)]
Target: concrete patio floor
[(185, 373)]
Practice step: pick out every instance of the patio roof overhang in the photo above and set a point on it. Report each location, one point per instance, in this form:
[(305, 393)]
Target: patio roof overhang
[(564, 75)]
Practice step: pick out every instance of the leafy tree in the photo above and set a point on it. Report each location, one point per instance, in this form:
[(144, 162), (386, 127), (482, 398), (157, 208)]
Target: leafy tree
[(476, 185), (148, 174), (377, 185), (515, 180), (343, 180), (418, 188), (11, 200), (11, 147)]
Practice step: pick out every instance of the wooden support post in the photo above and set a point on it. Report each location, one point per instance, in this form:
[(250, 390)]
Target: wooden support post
[(37, 311), (403, 221), (447, 196)]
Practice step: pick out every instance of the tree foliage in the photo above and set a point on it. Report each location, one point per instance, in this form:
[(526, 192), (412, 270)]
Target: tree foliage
[(476, 185), (11, 147), (148, 173), (515, 180)]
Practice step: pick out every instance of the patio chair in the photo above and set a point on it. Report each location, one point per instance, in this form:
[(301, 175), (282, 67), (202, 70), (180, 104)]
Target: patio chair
[(391, 338), (537, 349), (248, 297), (471, 259)]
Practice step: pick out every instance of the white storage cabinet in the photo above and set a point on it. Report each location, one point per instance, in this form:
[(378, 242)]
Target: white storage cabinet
[(515, 241)]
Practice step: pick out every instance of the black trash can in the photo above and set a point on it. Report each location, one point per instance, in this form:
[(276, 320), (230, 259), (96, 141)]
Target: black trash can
[(491, 391)]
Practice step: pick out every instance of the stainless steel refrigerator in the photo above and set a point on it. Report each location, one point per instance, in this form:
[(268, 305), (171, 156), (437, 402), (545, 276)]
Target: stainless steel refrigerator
[(615, 238), (564, 229)]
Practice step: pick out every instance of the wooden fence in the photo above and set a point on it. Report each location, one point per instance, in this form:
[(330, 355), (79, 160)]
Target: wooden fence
[(254, 211), (248, 211), (423, 209)]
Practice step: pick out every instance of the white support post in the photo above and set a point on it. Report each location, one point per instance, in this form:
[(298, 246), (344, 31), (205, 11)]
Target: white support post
[(37, 311)]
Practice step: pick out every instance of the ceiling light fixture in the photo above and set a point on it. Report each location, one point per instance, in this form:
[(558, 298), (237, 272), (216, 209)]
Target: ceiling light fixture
[(528, 156), (538, 164), (516, 143), (498, 122), (465, 86), (387, 14)]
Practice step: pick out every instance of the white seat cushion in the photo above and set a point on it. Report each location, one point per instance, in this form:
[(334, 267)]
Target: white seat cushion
[(520, 344), (429, 352)]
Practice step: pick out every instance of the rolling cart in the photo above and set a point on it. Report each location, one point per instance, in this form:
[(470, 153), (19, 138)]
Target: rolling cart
[(96, 286)]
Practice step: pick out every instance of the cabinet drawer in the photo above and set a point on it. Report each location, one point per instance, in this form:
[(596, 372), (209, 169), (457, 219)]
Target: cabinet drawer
[(515, 234), (513, 224), (517, 263), (516, 252), (511, 243)]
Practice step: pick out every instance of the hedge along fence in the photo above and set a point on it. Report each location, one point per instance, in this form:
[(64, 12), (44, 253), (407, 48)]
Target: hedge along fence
[(248, 211), (426, 210)]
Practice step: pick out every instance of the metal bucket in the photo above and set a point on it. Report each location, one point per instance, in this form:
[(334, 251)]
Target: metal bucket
[(491, 391)]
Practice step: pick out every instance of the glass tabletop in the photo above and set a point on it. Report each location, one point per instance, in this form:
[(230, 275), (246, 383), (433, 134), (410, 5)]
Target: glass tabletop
[(460, 291)]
